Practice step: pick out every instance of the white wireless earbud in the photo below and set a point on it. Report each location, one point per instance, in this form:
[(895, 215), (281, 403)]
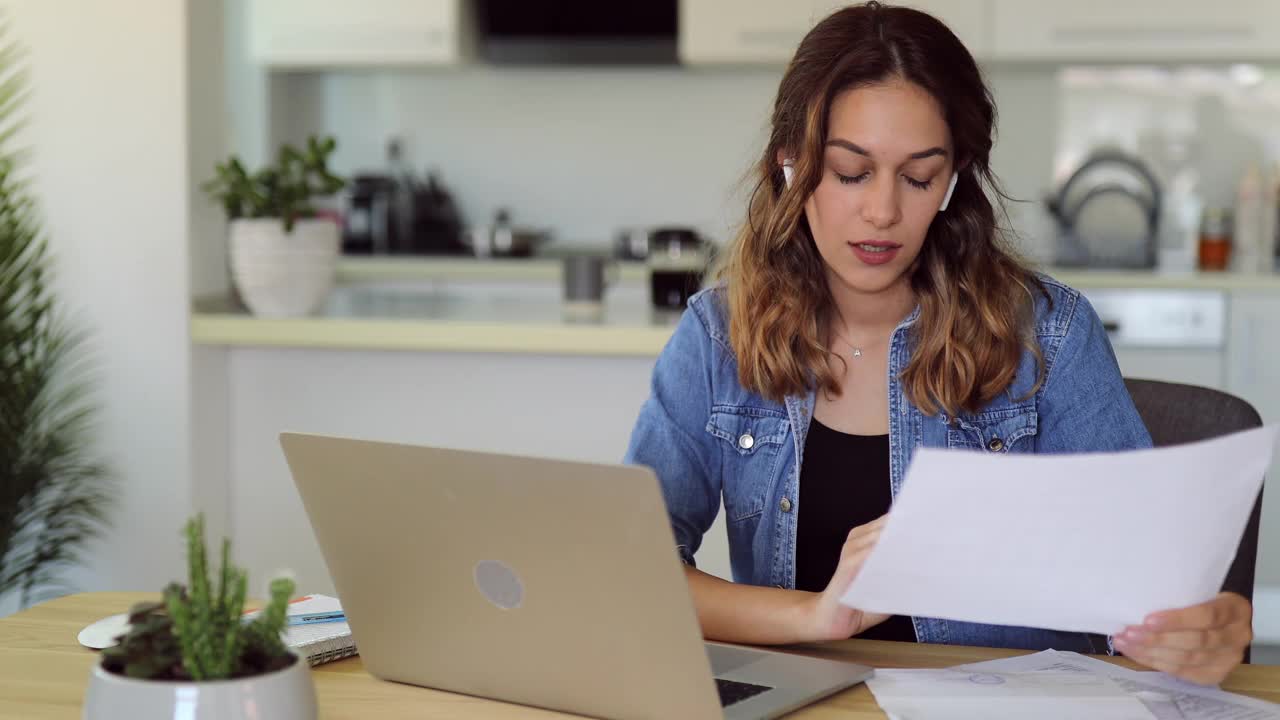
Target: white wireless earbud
[(946, 199), (788, 170)]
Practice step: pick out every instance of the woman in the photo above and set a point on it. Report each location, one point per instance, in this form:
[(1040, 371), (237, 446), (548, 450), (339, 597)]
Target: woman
[(869, 307)]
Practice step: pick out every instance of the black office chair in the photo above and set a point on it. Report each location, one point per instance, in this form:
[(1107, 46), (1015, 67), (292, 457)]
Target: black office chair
[(1175, 413)]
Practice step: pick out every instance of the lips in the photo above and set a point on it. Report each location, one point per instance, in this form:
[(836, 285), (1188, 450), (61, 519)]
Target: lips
[(875, 252)]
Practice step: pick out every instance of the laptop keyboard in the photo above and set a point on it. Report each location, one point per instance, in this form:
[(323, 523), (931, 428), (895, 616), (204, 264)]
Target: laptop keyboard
[(735, 692)]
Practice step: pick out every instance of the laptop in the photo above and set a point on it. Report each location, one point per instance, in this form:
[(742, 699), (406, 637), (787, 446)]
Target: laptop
[(542, 582)]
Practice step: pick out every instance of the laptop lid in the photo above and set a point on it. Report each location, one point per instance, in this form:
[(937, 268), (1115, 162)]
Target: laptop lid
[(536, 581)]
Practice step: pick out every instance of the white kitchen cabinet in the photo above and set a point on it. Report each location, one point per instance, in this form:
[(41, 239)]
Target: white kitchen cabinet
[(1175, 335), (1252, 348), (741, 31), (768, 31), (970, 20), (1254, 374), (1101, 30), (1191, 366), (338, 33)]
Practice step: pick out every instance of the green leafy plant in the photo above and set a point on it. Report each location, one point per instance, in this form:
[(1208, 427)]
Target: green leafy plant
[(54, 494), (283, 190), (199, 632)]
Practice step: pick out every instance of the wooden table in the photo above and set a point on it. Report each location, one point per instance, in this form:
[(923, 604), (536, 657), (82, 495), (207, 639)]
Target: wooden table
[(44, 671)]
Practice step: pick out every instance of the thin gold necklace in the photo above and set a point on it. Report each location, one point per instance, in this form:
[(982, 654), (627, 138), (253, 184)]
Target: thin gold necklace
[(857, 350)]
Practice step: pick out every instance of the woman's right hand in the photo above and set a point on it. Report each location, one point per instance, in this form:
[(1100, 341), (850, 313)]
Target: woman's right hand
[(827, 619)]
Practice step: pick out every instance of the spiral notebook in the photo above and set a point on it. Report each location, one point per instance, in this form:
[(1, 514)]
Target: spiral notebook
[(322, 642)]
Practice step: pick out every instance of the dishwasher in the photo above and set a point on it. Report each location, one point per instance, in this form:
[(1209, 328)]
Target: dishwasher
[(1177, 335)]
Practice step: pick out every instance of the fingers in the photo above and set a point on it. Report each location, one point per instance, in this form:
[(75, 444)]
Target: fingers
[(855, 552), (1225, 609), (1179, 657), (852, 555), (868, 621), (860, 543), (863, 535), (1228, 638), (856, 548), (873, 527), (851, 559), (1203, 667), (1202, 643)]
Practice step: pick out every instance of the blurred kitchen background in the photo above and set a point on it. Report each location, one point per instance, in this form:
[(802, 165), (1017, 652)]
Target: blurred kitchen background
[(533, 190)]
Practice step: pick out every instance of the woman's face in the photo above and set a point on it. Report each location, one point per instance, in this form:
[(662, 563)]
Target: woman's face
[(886, 166)]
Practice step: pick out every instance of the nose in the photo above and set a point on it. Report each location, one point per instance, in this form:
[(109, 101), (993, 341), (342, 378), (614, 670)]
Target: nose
[(880, 206)]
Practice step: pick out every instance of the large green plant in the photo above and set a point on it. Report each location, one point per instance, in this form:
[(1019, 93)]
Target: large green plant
[(282, 190), (199, 632), (53, 493)]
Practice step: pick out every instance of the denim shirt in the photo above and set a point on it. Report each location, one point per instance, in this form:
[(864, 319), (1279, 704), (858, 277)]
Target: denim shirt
[(708, 439)]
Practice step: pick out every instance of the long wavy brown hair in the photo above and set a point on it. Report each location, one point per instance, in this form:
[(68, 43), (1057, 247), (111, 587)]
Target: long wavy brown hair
[(976, 297)]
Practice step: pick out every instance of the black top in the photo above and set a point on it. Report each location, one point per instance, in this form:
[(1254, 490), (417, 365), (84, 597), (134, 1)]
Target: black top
[(844, 483)]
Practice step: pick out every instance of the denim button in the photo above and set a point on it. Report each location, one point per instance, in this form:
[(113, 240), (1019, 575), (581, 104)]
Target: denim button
[(785, 505), (995, 445), (746, 441)]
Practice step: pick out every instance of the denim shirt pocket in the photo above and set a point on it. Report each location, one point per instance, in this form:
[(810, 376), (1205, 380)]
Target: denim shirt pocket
[(1008, 429), (750, 439)]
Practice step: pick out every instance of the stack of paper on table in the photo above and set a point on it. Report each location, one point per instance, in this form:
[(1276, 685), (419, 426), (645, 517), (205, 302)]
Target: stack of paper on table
[(1055, 684)]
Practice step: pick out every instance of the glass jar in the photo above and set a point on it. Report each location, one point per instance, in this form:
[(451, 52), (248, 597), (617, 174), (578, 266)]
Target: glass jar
[(1215, 239)]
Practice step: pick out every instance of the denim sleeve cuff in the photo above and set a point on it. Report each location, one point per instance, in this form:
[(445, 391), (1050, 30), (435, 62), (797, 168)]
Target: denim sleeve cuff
[(686, 557)]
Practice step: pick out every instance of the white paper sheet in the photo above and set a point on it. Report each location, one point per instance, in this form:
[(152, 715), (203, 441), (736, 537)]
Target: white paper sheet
[(964, 695), (1166, 697), (1084, 542)]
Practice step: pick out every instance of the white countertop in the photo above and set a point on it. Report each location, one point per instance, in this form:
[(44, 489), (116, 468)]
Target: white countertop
[(461, 269), (363, 318), (1188, 280), (512, 305)]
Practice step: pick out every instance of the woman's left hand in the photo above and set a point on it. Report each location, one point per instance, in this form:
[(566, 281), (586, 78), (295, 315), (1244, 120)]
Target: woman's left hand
[(1202, 643)]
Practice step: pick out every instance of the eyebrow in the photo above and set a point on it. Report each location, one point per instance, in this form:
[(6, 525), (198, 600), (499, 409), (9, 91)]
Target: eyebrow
[(851, 147)]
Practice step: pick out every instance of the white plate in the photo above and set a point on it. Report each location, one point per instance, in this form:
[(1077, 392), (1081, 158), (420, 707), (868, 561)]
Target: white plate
[(103, 633)]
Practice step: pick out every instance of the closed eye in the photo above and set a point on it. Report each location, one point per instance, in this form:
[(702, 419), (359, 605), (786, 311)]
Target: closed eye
[(859, 179)]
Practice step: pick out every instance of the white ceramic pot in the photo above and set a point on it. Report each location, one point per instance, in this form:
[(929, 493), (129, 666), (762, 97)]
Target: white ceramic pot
[(281, 275), (286, 694)]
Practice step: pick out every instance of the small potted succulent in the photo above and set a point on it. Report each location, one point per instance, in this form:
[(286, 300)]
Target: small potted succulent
[(283, 250), (195, 653)]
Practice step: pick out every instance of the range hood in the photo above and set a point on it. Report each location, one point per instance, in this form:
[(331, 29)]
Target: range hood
[(577, 32)]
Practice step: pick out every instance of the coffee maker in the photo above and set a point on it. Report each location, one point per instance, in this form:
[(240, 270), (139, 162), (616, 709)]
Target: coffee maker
[(678, 259), (436, 226), (372, 224), (398, 213)]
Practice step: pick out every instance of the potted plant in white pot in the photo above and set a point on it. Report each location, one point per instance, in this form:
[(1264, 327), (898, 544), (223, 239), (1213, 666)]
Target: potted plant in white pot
[(195, 654), (283, 253)]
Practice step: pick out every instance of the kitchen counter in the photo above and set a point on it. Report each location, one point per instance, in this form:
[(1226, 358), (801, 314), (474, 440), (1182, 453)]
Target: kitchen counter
[(373, 318), (462, 268), (512, 306), (1189, 280), (544, 269)]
